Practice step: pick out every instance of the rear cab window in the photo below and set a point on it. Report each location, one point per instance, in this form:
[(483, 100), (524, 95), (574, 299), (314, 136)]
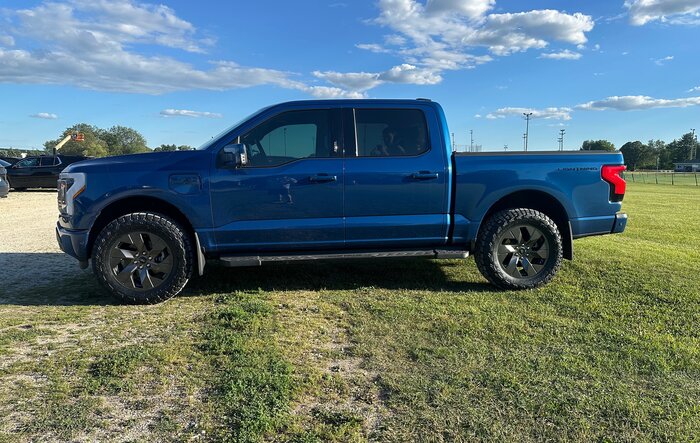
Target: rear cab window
[(389, 133)]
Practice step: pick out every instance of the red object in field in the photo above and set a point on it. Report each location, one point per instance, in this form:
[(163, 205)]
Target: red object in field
[(78, 137), (611, 174)]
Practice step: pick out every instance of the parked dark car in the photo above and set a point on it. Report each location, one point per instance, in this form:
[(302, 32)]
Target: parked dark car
[(39, 171), (4, 186), (10, 160)]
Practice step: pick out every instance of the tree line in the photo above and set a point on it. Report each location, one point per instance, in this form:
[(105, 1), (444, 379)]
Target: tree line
[(98, 142), (640, 155)]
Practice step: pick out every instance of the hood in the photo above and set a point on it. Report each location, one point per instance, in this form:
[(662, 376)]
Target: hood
[(152, 161)]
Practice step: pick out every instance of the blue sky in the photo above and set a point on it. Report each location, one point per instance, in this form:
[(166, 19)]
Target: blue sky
[(180, 71)]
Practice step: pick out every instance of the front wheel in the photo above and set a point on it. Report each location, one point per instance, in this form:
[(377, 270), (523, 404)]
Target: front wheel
[(143, 257), (519, 249)]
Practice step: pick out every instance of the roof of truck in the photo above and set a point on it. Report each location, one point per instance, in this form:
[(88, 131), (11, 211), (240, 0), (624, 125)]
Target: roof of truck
[(361, 101)]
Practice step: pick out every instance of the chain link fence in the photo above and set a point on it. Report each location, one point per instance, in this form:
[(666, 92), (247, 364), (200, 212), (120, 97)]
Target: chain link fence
[(662, 178)]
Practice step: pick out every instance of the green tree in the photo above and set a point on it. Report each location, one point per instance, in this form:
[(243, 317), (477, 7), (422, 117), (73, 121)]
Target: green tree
[(165, 148), (122, 140), (597, 145), (660, 153), (681, 149), (93, 145), (637, 155)]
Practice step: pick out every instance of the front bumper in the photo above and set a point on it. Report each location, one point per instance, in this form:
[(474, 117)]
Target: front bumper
[(4, 188), (73, 243)]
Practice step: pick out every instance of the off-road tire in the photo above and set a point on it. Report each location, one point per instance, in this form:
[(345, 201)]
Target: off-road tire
[(162, 226), (487, 243)]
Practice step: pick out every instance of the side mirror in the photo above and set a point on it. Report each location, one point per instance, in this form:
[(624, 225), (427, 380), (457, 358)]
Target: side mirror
[(235, 155)]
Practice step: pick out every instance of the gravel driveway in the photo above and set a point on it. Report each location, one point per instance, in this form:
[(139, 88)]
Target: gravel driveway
[(29, 254)]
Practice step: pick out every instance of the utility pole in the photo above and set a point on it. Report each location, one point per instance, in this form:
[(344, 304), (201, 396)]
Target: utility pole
[(471, 140), (524, 137), (527, 127), (453, 142), (505, 148), (693, 152), (561, 139)]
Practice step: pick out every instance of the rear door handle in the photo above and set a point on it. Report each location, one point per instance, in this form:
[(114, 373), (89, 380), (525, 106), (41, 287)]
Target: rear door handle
[(424, 175), (322, 178)]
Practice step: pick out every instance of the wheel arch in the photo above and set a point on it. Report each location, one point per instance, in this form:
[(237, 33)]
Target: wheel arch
[(132, 204), (539, 201)]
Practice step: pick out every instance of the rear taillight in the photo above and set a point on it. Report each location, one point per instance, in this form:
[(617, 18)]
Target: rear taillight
[(613, 175)]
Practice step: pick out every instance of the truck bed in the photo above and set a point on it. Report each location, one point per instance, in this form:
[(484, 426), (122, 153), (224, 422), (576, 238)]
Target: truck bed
[(572, 178)]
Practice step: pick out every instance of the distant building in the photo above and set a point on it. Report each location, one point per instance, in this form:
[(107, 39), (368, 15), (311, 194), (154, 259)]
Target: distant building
[(688, 166)]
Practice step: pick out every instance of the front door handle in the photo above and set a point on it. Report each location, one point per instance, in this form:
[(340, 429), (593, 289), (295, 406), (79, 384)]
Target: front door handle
[(322, 178), (424, 175)]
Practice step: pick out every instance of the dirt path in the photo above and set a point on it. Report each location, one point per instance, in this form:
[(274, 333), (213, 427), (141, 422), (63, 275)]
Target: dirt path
[(29, 254)]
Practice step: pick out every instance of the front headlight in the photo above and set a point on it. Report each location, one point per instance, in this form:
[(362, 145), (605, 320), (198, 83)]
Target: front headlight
[(70, 186)]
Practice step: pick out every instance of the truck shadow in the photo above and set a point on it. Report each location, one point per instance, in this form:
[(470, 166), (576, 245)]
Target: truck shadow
[(37, 279), (392, 274)]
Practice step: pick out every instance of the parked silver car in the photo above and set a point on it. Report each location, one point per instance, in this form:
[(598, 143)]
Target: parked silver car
[(4, 185)]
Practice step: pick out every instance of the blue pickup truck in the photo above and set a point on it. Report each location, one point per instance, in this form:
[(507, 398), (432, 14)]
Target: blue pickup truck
[(337, 179)]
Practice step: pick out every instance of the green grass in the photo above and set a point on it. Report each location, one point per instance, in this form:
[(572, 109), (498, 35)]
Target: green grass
[(402, 350)]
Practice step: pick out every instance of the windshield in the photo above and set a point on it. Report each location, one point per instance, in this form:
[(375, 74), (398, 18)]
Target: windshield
[(214, 139)]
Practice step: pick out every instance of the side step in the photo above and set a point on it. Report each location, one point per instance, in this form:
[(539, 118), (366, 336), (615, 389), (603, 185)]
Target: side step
[(257, 260)]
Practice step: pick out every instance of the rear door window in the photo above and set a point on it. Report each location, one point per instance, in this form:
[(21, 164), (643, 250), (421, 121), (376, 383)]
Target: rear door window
[(391, 132), (48, 161)]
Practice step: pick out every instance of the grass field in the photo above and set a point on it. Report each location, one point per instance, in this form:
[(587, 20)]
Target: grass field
[(403, 350)]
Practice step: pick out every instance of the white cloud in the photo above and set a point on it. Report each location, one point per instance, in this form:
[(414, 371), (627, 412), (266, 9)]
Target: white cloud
[(562, 55), (642, 12), (468, 8), (331, 92), (636, 102), (188, 113), (93, 44), (695, 89), (45, 115), (663, 60), (7, 40), (438, 35), (373, 47), (363, 81), (546, 113)]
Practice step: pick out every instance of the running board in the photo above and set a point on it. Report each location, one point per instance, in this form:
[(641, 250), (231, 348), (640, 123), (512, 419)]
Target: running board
[(257, 260)]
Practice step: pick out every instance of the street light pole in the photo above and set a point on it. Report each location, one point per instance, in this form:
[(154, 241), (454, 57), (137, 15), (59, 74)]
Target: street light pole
[(561, 139), (525, 141), (471, 140), (527, 127)]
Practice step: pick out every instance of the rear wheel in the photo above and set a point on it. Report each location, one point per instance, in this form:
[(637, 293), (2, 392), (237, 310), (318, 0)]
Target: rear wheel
[(519, 249), (143, 257)]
